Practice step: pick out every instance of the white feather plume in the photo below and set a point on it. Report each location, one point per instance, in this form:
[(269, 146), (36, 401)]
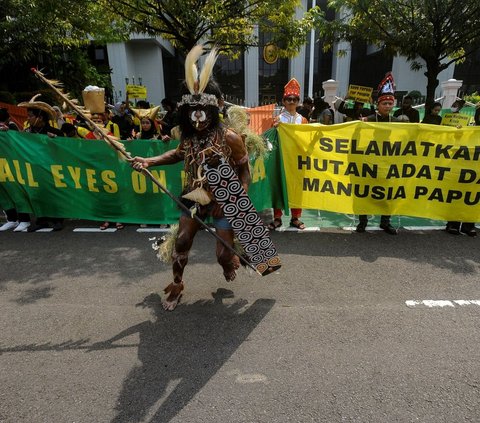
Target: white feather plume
[(207, 69), (191, 70)]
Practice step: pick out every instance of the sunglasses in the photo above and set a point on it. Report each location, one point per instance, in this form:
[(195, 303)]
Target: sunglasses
[(291, 99)]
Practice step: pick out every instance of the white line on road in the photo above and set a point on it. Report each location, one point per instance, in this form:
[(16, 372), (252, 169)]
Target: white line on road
[(95, 230), (424, 228), (153, 230), (308, 229), (441, 303)]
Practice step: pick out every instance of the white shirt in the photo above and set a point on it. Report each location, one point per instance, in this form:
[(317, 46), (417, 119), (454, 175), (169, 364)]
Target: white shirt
[(286, 117)]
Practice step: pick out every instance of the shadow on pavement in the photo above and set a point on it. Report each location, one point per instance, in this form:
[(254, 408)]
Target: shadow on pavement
[(127, 257), (180, 352), (457, 253)]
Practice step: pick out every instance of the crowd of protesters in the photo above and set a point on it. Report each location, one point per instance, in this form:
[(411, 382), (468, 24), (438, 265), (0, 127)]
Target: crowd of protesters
[(123, 122), (319, 111)]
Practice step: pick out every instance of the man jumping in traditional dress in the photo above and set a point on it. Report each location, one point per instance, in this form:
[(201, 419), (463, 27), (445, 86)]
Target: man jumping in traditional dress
[(204, 141)]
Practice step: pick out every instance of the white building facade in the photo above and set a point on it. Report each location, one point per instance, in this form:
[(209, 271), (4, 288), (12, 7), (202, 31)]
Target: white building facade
[(252, 81)]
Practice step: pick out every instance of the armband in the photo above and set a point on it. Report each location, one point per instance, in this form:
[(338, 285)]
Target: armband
[(243, 160)]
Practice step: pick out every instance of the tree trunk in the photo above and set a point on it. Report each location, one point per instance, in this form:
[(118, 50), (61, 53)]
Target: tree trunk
[(433, 69)]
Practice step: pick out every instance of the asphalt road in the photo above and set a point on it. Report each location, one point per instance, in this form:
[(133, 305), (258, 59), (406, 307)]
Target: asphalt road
[(328, 338)]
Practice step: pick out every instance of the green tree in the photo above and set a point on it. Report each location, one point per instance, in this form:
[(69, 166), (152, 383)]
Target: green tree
[(228, 24), (440, 32), (51, 32)]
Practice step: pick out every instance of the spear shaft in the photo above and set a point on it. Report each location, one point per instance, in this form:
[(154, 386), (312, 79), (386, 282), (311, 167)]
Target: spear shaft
[(121, 149)]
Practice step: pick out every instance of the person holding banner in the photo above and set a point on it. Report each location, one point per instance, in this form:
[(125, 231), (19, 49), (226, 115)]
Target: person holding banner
[(322, 112), (170, 119), (357, 112), (15, 220), (291, 97), (408, 110), (148, 131), (453, 227), (385, 102), (123, 120), (307, 108), (39, 114), (5, 122), (432, 115)]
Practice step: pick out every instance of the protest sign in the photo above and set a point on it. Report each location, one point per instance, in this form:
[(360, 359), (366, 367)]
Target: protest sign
[(359, 93)]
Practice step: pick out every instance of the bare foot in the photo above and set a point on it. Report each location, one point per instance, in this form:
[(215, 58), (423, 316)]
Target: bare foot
[(230, 271), (230, 276), (175, 293)]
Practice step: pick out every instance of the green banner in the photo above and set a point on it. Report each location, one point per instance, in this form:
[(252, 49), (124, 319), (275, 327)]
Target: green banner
[(268, 188), (85, 179)]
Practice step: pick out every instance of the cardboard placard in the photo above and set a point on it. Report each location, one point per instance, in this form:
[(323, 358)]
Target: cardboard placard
[(455, 119), (136, 91), (359, 93)]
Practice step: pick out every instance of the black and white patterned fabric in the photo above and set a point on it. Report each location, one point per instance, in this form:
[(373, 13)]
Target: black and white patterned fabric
[(246, 223)]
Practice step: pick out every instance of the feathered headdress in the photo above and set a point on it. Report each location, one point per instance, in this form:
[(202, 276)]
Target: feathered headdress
[(196, 83), (386, 88)]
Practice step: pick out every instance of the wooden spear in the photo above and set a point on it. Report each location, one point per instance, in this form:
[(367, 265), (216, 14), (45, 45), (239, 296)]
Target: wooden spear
[(120, 148)]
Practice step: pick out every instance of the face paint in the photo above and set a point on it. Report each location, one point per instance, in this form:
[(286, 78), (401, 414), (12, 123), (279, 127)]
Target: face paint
[(199, 119)]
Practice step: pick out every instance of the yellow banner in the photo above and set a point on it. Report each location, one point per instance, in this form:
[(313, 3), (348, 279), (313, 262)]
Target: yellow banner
[(455, 119), (136, 91), (384, 168), (359, 93)]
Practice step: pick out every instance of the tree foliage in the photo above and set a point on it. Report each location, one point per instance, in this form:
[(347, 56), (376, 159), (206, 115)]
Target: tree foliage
[(440, 32), (51, 33), (229, 24), (32, 27)]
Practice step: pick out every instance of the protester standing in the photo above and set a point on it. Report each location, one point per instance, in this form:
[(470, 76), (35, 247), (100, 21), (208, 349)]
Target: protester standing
[(170, 120), (385, 102), (407, 110), (432, 114), (291, 97), (123, 120), (306, 109), (454, 227), (39, 114), (357, 112), (16, 221)]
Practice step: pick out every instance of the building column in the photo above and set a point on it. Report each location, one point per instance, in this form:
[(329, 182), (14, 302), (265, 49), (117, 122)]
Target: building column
[(119, 63), (296, 65), (251, 63), (341, 66), (449, 92), (341, 63)]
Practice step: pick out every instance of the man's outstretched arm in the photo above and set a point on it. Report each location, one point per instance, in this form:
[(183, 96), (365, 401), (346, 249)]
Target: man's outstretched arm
[(169, 157)]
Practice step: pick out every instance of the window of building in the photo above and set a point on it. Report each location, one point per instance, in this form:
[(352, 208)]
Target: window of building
[(230, 76), (272, 76)]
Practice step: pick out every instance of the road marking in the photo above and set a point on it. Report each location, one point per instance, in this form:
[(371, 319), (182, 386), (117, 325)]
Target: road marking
[(153, 230), (370, 228), (424, 228), (441, 303), (308, 229), (94, 230)]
